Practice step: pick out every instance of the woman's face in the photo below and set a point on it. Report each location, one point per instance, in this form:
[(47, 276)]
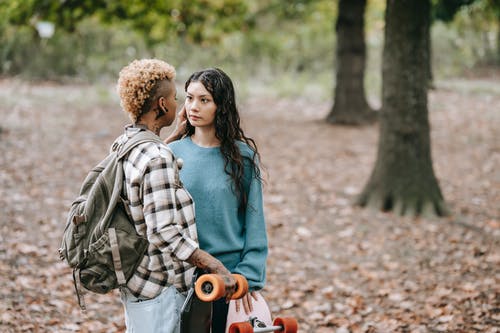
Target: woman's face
[(200, 105)]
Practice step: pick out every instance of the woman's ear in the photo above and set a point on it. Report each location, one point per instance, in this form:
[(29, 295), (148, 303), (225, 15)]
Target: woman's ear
[(160, 110), (162, 104)]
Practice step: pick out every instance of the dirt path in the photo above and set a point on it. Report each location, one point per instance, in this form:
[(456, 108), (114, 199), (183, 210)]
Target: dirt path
[(335, 267)]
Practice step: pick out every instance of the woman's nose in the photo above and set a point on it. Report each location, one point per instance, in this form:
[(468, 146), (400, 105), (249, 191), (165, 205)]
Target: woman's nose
[(194, 105)]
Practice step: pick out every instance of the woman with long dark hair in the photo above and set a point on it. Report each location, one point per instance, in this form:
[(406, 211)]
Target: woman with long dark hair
[(221, 172)]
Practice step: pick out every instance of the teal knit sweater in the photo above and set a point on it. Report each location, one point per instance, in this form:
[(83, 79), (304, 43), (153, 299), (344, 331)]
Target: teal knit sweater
[(237, 239)]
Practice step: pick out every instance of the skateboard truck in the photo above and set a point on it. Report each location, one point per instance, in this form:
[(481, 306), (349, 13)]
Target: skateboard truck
[(256, 322), (210, 287), (253, 325)]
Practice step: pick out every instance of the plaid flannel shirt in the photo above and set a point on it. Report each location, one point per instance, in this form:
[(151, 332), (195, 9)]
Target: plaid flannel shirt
[(163, 211)]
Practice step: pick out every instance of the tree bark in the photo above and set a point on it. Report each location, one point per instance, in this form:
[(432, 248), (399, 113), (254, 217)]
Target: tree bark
[(350, 106), (498, 38), (428, 49), (403, 179)]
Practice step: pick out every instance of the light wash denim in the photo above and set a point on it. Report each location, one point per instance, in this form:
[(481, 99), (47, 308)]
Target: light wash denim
[(157, 315)]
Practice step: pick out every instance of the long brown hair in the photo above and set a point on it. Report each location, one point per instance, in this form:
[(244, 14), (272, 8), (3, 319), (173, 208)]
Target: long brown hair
[(227, 128)]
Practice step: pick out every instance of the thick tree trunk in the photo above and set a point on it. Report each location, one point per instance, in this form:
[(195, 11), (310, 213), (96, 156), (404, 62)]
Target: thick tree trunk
[(498, 39), (403, 178), (428, 49), (350, 106)]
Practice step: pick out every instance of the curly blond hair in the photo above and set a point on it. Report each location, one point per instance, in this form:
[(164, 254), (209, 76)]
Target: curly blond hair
[(138, 82)]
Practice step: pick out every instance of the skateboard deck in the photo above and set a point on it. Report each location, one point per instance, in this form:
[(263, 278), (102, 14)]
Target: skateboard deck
[(210, 287), (260, 313)]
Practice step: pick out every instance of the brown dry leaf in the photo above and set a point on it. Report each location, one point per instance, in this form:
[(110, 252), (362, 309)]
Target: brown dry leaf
[(333, 266)]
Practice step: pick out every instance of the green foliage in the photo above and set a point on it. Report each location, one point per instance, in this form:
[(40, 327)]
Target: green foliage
[(90, 53), (445, 10), (288, 45), (159, 20), (279, 35), (292, 35), (469, 40)]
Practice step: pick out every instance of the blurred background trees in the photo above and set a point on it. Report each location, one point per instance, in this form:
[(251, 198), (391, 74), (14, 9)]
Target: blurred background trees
[(316, 49), (273, 38), (350, 106)]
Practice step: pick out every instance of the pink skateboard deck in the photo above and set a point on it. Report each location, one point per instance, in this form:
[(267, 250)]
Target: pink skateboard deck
[(210, 287), (260, 311)]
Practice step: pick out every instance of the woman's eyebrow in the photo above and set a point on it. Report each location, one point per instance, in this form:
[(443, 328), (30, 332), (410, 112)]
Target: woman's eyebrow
[(204, 95)]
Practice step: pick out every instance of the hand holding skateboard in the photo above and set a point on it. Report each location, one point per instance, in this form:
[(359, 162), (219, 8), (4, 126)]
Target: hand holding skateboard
[(210, 287)]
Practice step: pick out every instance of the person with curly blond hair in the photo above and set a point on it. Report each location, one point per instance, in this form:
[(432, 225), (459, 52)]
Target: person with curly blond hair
[(161, 209)]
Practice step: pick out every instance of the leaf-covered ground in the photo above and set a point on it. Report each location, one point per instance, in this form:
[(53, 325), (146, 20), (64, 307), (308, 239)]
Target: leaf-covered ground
[(335, 267)]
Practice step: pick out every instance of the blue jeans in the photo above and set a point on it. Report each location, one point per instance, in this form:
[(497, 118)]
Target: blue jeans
[(156, 315)]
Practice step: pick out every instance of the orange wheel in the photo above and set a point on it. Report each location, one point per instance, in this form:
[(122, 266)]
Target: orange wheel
[(209, 287), (241, 286), (241, 328), (289, 325)]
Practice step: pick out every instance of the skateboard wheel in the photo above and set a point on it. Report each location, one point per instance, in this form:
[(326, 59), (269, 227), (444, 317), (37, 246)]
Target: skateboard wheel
[(241, 328), (241, 286), (289, 325), (210, 287)]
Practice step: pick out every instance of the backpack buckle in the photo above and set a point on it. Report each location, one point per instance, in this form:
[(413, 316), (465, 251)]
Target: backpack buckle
[(116, 146), (61, 253), (78, 219)]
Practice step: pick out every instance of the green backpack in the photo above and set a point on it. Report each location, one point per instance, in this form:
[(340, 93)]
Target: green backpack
[(99, 241)]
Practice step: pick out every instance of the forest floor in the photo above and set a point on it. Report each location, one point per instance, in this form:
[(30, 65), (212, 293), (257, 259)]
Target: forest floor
[(335, 267)]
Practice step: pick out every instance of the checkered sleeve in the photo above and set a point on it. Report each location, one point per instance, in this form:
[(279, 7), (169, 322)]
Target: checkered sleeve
[(164, 221)]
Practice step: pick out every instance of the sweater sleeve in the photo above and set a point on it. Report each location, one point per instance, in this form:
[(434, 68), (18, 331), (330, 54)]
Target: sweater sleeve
[(254, 257)]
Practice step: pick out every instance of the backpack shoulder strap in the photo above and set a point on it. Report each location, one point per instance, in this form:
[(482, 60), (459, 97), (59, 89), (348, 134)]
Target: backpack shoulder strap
[(121, 150), (137, 139)]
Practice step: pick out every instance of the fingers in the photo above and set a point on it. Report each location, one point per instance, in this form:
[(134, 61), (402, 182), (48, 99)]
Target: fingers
[(182, 125), (247, 303), (237, 305), (230, 284), (182, 113)]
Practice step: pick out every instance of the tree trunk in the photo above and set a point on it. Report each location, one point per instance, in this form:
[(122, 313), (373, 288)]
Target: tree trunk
[(498, 38), (350, 106), (403, 178), (428, 49)]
